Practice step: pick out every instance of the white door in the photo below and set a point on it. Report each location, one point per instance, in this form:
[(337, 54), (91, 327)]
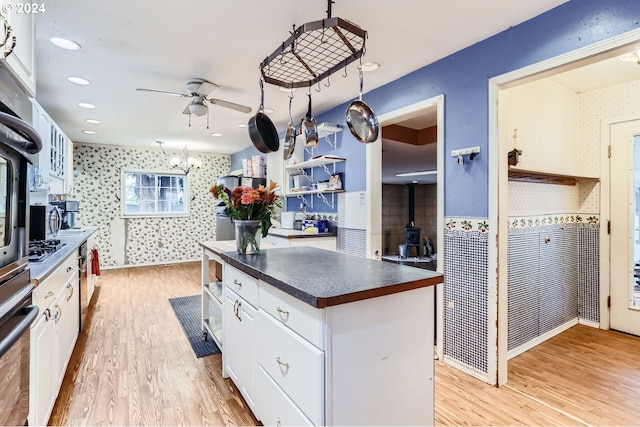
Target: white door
[(625, 227)]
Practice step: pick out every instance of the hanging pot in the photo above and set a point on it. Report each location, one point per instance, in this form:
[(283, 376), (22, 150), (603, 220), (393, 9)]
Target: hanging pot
[(361, 119), (290, 135), (262, 132), (309, 128)]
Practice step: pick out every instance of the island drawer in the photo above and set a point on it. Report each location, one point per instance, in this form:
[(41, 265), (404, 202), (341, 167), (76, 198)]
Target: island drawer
[(295, 314), (275, 408), (295, 365), (244, 285), (46, 291)]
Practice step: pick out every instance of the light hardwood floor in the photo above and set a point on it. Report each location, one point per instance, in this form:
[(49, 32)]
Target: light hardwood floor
[(134, 366)]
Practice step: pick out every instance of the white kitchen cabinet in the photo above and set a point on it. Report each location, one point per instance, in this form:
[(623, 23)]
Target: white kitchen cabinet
[(239, 317), (42, 375), (315, 365), (53, 337), (21, 62), (54, 166), (67, 324), (42, 123)]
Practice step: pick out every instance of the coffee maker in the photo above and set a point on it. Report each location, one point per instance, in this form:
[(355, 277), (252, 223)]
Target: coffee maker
[(68, 210)]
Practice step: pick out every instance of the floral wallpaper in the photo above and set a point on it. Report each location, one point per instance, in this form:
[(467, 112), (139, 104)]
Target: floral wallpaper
[(142, 241)]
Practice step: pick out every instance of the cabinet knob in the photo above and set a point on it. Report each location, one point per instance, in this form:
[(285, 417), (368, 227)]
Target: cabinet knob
[(49, 294), (281, 363), (547, 239), (235, 282), (69, 269)]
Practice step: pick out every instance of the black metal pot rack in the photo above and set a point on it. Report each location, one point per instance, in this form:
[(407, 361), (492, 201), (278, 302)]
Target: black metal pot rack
[(314, 51)]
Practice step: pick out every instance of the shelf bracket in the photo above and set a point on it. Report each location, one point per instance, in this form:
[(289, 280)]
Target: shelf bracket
[(333, 144), (304, 200), (309, 150), (326, 201)]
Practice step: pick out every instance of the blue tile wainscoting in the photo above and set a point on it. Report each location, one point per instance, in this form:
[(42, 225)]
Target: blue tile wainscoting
[(553, 274), (466, 293)]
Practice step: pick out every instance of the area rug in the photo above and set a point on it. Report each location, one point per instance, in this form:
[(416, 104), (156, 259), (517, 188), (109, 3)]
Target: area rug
[(188, 312)]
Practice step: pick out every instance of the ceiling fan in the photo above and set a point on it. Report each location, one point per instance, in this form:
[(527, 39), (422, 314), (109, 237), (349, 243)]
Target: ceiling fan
[(199, 90)]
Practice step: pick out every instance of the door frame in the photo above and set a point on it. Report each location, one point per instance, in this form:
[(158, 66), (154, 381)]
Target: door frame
[(374, 196), (605, 212), (498, 185)]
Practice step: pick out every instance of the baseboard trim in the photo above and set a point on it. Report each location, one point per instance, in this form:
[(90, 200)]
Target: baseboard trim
[(542, 338), (152, 264)]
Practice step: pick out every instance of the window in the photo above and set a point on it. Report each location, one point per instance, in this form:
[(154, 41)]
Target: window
[(154, 194)]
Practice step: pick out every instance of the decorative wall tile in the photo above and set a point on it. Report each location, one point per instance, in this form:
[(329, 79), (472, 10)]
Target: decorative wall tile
[(466, 296), (551, 219), (466, 224), (97, 176), (589, 272)]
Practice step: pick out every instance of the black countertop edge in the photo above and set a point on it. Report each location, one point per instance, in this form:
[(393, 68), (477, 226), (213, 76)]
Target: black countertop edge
[(39, 271), (295, 292), (419, 280)]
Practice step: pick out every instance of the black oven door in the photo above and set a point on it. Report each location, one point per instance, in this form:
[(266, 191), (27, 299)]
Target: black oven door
[(16, 316)]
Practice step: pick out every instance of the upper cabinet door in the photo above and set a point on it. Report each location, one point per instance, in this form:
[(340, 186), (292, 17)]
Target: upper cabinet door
[(21, 62)]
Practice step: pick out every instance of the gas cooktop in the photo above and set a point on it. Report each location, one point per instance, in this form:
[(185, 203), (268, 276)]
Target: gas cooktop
[(40, 249)]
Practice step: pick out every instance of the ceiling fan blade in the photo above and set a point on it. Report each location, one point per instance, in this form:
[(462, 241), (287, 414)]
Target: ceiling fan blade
[(227, 104), (164, 92)]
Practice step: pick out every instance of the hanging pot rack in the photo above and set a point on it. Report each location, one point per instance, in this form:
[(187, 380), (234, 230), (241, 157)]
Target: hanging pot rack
[(313, 52)]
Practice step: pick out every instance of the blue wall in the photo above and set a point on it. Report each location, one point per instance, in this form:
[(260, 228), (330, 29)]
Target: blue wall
[(463, 79), (236, 158)]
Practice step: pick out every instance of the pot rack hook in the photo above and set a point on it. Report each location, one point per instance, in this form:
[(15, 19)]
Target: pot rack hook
[(319, 88), (328, 83), (345, 71)]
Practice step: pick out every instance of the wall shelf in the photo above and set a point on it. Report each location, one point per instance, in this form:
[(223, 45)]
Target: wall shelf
[(523, 175), (322, 161)]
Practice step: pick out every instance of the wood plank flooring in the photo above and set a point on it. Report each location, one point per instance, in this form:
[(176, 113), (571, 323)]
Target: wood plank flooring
[(134, 366)]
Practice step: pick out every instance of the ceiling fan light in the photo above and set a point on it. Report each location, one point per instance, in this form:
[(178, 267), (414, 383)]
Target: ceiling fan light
[(198, 109)]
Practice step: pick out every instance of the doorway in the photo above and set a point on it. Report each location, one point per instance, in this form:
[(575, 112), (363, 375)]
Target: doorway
[(624, 251), (374, 179), (501, 142)]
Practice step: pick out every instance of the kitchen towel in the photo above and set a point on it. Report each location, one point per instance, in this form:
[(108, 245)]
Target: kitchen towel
[(95, 262)]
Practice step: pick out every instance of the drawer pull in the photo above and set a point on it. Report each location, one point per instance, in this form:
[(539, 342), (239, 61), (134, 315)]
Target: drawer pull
[(70, 287), (281, 363), (48, 294), (278, 422), (69, 269), (236, 309), (58, 313), (235, 282), (281, 311)]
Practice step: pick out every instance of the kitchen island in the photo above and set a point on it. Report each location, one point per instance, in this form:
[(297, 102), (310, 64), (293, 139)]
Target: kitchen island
[(314, 337)]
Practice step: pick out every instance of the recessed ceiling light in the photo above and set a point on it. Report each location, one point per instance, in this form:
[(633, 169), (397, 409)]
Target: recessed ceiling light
[(370, 66), (216, 134), (65, 43), (287, 89), (93, 121), (89, 132), (414, 181), (243, 125), (78, 81), (268, 110), (86, 105)]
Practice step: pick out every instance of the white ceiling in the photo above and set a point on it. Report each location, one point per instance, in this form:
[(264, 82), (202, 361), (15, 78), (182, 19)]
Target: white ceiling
[(161, 44)]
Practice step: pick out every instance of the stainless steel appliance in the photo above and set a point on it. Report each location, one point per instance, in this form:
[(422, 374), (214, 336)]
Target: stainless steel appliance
[(18, 144), (68, 210), (84, 282), (225, 229), (41, 249), (16, 316), (247, 181)]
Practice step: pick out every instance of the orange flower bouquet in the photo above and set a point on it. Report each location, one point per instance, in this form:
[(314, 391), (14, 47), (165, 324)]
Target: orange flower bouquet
[(251, 210)]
